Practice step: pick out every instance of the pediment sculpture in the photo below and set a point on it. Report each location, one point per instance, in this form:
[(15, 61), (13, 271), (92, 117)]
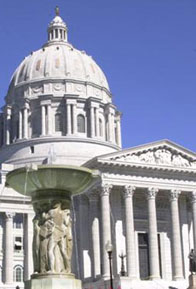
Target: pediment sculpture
[(160, 156)]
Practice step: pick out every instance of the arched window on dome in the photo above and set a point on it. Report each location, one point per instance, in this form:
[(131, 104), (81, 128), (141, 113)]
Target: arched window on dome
[(81, 123), (18, 273), (58, 122), (100, 127)]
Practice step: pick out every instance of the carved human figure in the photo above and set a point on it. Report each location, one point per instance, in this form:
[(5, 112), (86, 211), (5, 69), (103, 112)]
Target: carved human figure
[(147, 157), (36, 239), (57, 237), (162, 156), (192, 262), (52, 242), (178, 160)]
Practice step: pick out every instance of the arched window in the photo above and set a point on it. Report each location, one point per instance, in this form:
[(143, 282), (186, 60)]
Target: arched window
[(100, 127), (58, 122), (81, 123), (18, 273)]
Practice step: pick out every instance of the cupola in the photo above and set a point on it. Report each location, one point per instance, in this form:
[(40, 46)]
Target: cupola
[(57, 29)]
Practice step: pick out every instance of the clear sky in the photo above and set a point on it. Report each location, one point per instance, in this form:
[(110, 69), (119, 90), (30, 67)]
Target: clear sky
[(147, 49)]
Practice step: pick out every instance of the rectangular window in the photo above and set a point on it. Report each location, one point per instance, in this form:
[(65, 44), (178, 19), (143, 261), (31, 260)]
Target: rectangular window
[(18, 244)]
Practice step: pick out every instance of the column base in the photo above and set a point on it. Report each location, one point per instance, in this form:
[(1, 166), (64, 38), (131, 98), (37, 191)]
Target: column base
[(192, 281), (53, 283), (154, 277), (178, 278)]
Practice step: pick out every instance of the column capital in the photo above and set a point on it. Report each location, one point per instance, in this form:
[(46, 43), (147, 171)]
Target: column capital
[(105, 189), (174, 194), (151, 193), (128, 191), (45, 102), (193, 197), (71, 101), (9, 215)]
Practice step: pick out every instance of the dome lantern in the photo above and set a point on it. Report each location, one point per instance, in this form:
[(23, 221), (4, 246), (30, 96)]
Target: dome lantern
[(57, 29)]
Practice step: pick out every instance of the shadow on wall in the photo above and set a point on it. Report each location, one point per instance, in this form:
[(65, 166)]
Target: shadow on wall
[(170, 287)]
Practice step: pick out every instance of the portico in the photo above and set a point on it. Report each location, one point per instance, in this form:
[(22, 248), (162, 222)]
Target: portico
[(143, 200)]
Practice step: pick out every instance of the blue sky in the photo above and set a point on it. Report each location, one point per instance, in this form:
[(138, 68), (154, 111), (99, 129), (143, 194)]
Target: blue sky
[(147, 49)]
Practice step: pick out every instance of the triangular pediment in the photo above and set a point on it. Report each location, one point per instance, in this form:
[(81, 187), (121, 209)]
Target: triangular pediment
[(162, 153)]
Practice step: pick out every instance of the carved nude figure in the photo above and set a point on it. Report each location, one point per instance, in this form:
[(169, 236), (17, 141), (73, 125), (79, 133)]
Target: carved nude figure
[(52, 242), (61, 219)]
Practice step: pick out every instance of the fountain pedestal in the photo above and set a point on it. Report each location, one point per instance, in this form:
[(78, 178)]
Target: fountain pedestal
[(192, 281), (51, 187), (53, 283)]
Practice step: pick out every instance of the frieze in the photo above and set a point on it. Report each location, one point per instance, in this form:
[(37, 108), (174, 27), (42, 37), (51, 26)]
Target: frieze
[(160, 156), (58, 87), (37, 89)]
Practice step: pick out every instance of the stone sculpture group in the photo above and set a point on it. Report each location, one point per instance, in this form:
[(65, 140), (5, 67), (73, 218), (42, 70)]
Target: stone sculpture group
[(52, 242)]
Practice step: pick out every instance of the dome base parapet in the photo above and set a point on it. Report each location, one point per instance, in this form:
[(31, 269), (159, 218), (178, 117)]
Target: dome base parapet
[(68, 150)]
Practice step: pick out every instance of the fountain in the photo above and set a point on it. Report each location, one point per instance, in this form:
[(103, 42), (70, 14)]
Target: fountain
[(51, 187)]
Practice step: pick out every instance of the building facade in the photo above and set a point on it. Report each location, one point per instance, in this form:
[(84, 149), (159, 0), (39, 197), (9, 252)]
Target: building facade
[(59, 109)]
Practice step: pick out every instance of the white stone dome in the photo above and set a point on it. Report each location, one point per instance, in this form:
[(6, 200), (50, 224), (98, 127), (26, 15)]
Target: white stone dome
[(58, 60), (58, 96)]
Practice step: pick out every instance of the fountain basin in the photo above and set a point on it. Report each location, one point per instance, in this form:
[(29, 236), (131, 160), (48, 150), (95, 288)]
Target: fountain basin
[(72, 179)]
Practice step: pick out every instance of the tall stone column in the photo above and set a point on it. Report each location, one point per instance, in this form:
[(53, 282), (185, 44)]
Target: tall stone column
[(130, 232), (20, 116), (43, 116), (28, 240), (68, 105), (93, 199), (110, 127), (7, 125), (176, 236), (105, 226), (193, 202), (82, 206), (92, 121), (25, 122), (97, 121), (152, 234), (118, 130), (111, 134), (9, 247), (74, 118), (49, 110)]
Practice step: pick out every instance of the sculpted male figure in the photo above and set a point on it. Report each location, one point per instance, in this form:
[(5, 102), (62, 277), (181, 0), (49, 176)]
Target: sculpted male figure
[(192, 261), (57, 239), (52, 242)]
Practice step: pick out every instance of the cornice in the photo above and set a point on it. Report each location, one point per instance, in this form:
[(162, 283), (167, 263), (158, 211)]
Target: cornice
[(48, 139), (120, 164)]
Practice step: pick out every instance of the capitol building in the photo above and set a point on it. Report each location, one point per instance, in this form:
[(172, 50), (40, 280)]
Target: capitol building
[(59, 109)]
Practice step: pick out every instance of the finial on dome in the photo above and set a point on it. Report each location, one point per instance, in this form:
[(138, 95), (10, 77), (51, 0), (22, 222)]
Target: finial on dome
[(57, 11)]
